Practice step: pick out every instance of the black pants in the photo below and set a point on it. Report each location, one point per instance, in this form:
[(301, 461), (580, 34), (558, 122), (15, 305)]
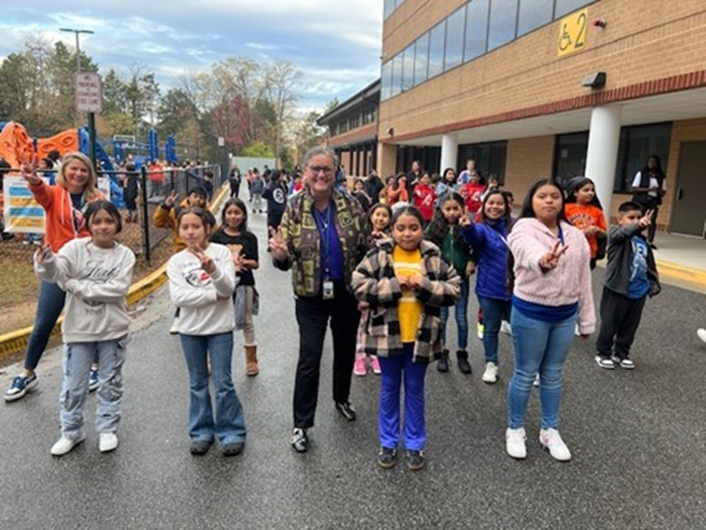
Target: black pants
[(313, 316), (620, 318)]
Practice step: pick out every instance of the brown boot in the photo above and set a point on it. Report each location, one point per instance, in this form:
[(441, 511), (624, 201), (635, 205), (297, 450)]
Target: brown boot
[(251, 367)]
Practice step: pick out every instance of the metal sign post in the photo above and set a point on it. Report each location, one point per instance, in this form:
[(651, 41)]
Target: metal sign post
[(89, 98)]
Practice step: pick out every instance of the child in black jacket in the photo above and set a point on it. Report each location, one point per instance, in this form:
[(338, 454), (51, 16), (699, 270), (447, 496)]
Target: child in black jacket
[(631, 277)]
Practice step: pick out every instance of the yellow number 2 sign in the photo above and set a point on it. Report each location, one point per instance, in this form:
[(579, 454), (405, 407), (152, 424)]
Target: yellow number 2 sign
[(572, 33)]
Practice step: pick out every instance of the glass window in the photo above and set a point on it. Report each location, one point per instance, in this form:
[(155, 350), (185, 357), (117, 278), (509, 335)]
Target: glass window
[(389, 8), (564, 7), (570, 155), (396, 75), (421, 59), (533, 14), (386, 81), (490, 158), (476, 29), (436, 49), (455, 25), (636, 145), (503, 19), (408, 68)]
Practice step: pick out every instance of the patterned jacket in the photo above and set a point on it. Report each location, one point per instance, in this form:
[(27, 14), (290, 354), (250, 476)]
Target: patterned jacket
[(302, 236), (374, 281)]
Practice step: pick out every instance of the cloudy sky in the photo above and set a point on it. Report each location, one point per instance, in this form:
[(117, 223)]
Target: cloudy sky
[(335, 43)]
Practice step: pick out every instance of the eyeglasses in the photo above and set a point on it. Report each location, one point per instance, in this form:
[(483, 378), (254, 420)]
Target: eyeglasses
[(318, 169)]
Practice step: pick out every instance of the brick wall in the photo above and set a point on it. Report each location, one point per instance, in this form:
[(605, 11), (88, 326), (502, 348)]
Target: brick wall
[(528, 160)]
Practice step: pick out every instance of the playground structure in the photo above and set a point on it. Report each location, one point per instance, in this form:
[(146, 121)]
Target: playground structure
[(17, 146)]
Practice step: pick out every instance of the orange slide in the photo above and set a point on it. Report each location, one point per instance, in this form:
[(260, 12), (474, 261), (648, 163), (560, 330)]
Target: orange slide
[(16, 145)]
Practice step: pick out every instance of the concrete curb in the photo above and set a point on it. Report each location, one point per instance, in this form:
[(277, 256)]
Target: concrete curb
[(16, 341), (674, 273)]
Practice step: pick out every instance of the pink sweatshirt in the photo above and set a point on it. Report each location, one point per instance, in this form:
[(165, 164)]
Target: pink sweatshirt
[(568, 283)]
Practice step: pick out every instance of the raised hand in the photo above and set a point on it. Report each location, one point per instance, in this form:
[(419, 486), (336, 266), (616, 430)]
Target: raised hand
[(646, 220), (171, 198), (43, 253), (277, 246), (551, 259), (207, 263), (29, 170)]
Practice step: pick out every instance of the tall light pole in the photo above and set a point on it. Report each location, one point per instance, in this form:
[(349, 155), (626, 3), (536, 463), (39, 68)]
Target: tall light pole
[(77, 32)]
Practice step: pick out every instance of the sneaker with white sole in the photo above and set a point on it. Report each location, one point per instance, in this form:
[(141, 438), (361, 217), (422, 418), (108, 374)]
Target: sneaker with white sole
[(108, 442), (175, 327), (376, 365), (701, 334), (480, 330), (490, 375), (93, 382), (505, 327), (625, 364), (20, 386), (515, 443), (605, 362), (552, 442), (359, 367), (535, 383), (66, 444)]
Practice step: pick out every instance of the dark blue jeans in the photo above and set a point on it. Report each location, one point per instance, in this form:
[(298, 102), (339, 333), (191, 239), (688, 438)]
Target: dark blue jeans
[(494, 312), (461, 314), (49, 306)]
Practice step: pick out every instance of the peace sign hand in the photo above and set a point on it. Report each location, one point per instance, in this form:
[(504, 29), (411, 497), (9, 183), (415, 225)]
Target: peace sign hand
[(550, 260), (646, 220), (29, 170), (207, 263), (171, 198), (277, 246)]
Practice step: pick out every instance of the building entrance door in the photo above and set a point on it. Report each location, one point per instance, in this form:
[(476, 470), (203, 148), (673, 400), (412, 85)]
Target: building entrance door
[(689, 205)]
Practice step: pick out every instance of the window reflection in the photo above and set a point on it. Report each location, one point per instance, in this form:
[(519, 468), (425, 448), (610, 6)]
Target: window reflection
[(476, 29), (503, 20), (533, 14), (421, 59), (436, 49), (455, 26)]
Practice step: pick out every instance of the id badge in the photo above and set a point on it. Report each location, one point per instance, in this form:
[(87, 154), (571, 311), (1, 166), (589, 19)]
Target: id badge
[(328, 290)]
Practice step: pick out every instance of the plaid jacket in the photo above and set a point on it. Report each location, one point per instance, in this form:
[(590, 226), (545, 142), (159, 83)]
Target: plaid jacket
[(374, 281), (301, 234)]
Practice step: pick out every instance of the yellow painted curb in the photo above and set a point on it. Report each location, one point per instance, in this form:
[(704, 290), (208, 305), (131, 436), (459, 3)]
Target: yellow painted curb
[(16, 341), (681, 273)]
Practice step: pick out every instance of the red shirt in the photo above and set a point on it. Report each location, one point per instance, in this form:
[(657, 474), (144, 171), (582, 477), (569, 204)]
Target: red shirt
[(424, 199), (472, 193)]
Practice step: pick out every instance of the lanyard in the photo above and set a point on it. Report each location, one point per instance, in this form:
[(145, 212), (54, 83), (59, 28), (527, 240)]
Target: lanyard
[(560, 235), (324, 222)]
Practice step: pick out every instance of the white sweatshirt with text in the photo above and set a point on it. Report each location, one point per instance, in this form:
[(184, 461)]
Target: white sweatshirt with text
[(96, 281)]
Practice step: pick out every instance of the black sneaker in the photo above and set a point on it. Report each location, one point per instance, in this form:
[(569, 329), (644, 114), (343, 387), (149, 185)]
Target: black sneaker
[(346, 410), (300, 440), (605, 362), (232, 448), (387, 457), (463, 364), (443, 362), (625, 363), (200, 447), (415, 460)]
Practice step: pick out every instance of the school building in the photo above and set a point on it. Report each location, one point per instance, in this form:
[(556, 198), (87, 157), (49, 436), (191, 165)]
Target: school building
[(539, 88)]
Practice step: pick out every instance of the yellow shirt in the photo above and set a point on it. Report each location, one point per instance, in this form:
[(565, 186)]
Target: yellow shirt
[(408, 263)]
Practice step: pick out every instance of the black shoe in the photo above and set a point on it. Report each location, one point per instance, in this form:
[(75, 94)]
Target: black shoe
[(200, 447), (387, 457), (232, 448), (415, 460), (300, 440), (463, 363), (653, 246), (443, 362), (346, 410)]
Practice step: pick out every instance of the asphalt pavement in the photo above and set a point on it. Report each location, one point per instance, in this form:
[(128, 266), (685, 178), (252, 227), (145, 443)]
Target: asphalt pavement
[(638, 441)]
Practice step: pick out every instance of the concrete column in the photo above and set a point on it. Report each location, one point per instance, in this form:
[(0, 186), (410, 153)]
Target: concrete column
[(386, 160), (602, 153), (449, 151)]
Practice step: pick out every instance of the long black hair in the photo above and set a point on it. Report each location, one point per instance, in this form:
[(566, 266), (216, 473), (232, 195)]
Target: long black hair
[(238, 203), (528, 211), (506, 216), (439, 226), (103, 206), (575, 184), (659, 173)]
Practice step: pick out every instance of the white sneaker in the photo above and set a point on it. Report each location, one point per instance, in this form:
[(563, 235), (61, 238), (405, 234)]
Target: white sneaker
[(702, 334), (175, 327), (490, 375), (536, 381), (515, 443), (552, 442), (64, 445), (505, 327), (480, 329), (108, 442)]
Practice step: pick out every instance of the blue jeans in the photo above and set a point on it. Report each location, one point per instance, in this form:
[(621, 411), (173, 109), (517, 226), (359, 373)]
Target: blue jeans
[(51, 302), (229, 423), (461, 314), (76, 364), (539, 347), (494, 312), (415, 433)]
